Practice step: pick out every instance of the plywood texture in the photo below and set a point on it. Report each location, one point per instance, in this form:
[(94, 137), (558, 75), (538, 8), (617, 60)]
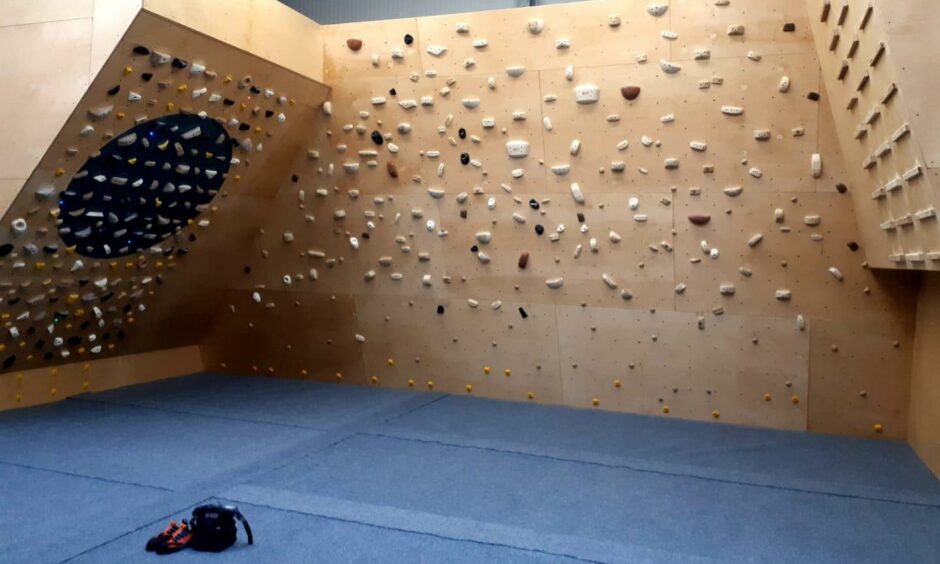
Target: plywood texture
[(266, 28), (900, 227), (24, 12), (424, 267), (47, 385), (924, 422), (165, 298)]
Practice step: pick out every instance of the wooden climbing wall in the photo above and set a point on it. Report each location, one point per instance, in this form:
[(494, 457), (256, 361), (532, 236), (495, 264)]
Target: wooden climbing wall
[(391, 254), (63, 304), (873, 61)]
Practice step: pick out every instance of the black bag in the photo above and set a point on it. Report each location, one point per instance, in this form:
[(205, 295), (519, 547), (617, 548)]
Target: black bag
[(214, 528)]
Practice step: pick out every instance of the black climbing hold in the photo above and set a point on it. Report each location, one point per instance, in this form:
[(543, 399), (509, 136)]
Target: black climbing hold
[(440, 310), (294, 178), (534, 204), (365, 235), (228, 102), (247, 270), (59, 317), (40, 344), (192, 237), (50, 249), (181, 252), (377, 138), (268, 113), (243, 127), (788, 27), (146, 76), (539, 229), (814, 96), (179, 64), (74, 340), (853, 246), (114, 90), (47, 356), (463, 214), (409, 39), (842, 188), (462, 133), (523, 313), (31, 331), (464, 158), (474, 249), (8, 361), (141, 50), (392, 92), (580, 217), (6, 249), (255, 90)]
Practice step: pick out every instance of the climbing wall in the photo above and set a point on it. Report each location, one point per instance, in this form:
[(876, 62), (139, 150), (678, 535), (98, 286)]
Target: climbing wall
[(100, 251), (872, 64), (614, 205)]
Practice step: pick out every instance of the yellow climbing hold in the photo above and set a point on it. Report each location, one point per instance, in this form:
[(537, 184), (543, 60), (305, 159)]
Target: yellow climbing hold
[(128, 70), (595, 402), (530, 395), (120, 115), (666, 409), (53, 392), (227, 79), (795, 400), (878, 428), (170, 106), (767, 397), (390, 362), (469, 388), (486, 369), (616, 383), (430, 384), (375, 379), (508, 372), (716, 414), (59, 171)]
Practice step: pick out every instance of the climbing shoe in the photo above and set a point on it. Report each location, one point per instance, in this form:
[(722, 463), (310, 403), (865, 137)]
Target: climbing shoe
[(178, 541), (162, 537)]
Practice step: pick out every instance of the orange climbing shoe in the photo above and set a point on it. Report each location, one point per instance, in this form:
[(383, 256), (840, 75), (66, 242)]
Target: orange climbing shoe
[(162, 537), (178, 541)]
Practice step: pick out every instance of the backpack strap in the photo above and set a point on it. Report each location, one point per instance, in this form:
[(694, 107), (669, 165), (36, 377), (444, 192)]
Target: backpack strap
[(240, 517)]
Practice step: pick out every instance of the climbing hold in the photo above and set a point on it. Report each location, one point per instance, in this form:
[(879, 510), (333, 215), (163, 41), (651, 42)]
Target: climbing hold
[(555, 283), (657, 10), (535, 25), (523, 259), (630, 92), (576, 193), (587, 93), (816, 166)]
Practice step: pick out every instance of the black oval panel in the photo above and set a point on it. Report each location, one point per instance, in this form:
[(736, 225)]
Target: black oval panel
[(144, 186)]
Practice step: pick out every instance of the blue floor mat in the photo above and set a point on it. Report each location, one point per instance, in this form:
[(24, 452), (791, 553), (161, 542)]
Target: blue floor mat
[(47, 516), (288, 402), (138, 445), (713, 519), (285, 536), (577, 433)]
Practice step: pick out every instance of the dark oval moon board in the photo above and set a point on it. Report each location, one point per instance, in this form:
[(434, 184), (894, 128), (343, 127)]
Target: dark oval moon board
[(145, 185)]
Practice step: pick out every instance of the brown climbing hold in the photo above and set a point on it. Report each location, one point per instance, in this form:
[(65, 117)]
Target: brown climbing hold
[(392, 169), (630, 92), (700, 218), (354, 44), (523, 259)]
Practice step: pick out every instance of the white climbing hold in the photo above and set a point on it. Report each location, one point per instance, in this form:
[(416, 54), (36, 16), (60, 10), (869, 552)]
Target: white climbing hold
[(733, 191), (18, 226), (657, 10), (609, 280), (436, 50), (784, 83), (575, 147), (484, 237), (576, 193), (535, 25), (586, 93), (634, 203), (732, 110), (783, 294), (816, 165), (517, 149), (669, 67), (836, 273), (470, 103), (555, 283), (755, 239), (515, 71), (327, 108), (812, 220)]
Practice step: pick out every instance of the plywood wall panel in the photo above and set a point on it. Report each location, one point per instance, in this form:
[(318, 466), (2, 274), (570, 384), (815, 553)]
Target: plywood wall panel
[(463, 346), (783, 260), (593, 42), (25, 12), (378, 38), (665, 364), (49, 84), (924, 421), (860, 379), (701, 24), (868, 122)]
